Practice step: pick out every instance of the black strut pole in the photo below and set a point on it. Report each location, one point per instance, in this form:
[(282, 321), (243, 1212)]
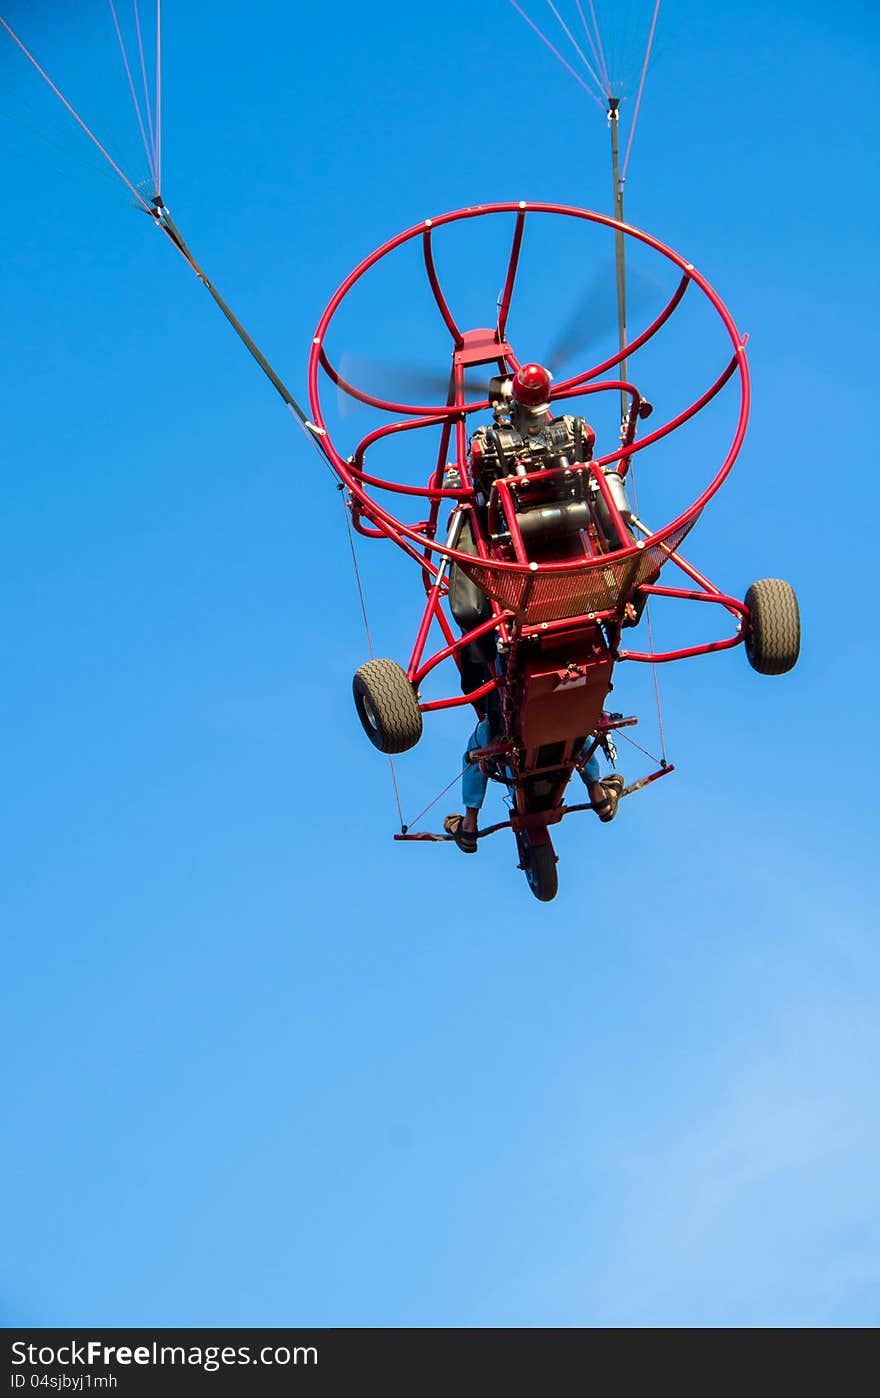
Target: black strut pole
[(169, 227), (619, 243)]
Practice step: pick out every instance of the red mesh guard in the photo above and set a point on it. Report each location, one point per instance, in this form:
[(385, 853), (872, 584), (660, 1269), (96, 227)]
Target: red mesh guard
[(551, 594)]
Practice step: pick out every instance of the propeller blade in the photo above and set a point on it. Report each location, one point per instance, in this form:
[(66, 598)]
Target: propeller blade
[(399, 383), (594, 315)]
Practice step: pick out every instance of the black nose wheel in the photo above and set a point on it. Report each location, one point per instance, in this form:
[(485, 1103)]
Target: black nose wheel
[(539, 865)]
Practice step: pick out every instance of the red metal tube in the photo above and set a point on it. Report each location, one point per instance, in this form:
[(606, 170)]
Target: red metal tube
[(567, 623), (497, 611), (639, 341), (688, 568), (393, 537), (447, 630), (422, 634), (457, 645), (606, 386), (435, 286), (459, 700), (651, 658), (432, 491), (685, 594), (501, 491), (610, 504), (427, 491), (460, 429), (432, 608), (443, 453), (414, 410), (674, 423), (512, 265)]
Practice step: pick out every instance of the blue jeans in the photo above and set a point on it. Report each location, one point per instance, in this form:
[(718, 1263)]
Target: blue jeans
[(474, 780)]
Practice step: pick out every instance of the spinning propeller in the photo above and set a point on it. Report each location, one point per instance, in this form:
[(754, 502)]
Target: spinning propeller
[(591, 320)]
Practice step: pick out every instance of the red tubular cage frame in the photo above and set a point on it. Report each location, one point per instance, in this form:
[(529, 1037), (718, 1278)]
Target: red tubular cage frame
[(531, 594)]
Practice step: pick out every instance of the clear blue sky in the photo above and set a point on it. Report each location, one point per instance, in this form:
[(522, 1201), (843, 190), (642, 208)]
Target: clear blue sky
[(262, 1065)]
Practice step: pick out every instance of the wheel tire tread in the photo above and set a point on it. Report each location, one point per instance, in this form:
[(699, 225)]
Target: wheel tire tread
[(540, 862), (773, 638), (394, 701)]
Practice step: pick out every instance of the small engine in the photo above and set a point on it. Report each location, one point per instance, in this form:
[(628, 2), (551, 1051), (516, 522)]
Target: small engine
[(525, 440), (505, 450)]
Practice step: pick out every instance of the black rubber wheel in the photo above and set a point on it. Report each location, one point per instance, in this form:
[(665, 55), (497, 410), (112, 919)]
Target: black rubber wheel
[(773, 636), (539, 864), (387, 706)]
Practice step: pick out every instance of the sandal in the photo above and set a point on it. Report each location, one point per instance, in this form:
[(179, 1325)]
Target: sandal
[(465, 839), (606, 809)]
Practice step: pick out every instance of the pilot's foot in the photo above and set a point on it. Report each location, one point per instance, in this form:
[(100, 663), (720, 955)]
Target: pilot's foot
[(463, 830), (605, 796)]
